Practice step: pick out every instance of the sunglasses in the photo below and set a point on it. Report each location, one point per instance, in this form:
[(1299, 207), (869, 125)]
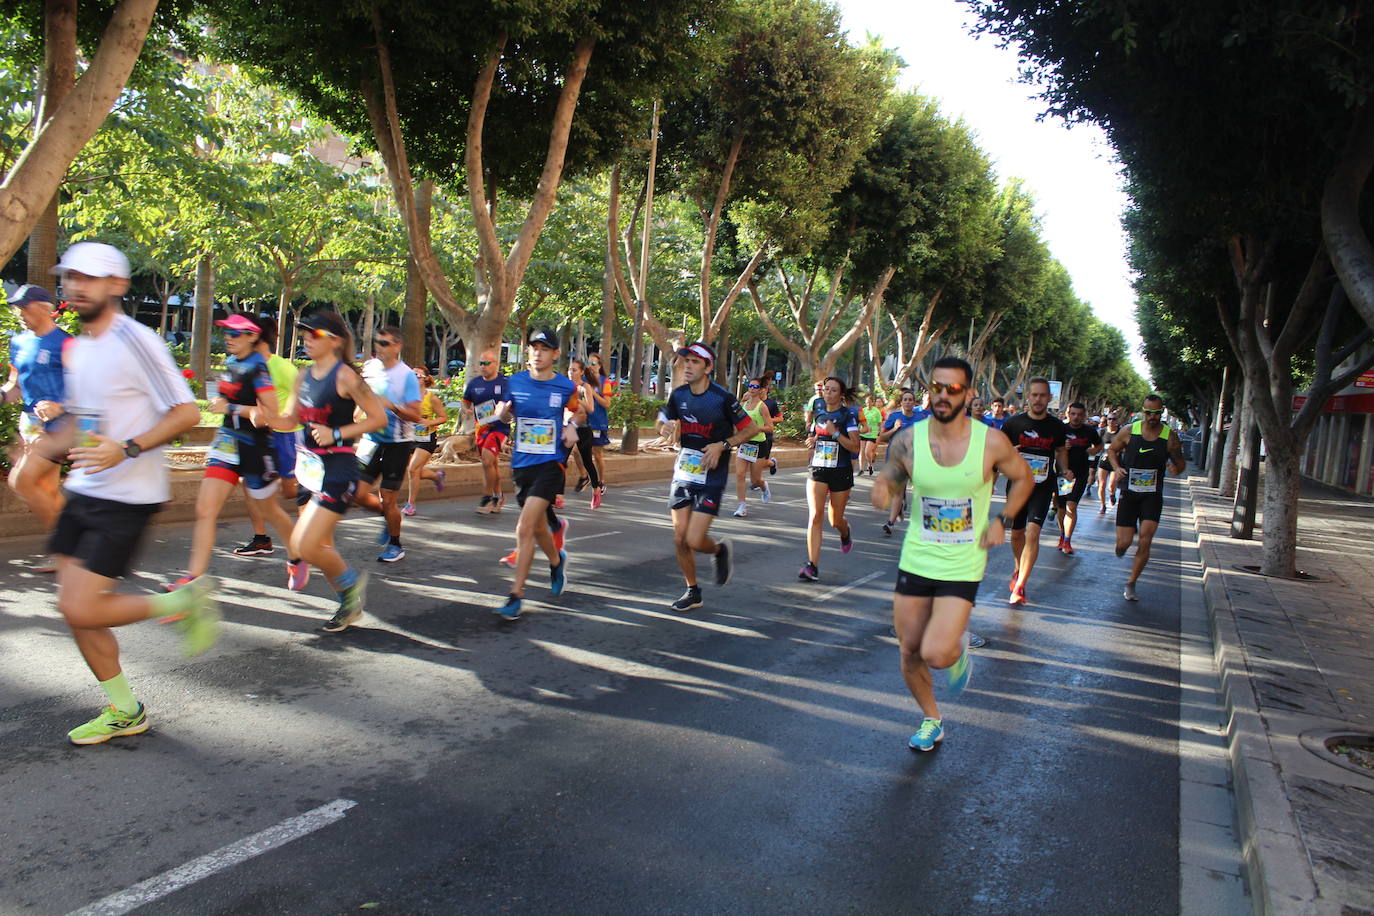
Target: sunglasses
[(234, 334), (754, 387), (937, 387), (484, 362), (1152, 413), (319, 333)]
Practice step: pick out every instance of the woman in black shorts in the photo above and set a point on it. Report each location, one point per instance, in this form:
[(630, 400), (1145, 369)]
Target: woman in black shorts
[(833, 440)]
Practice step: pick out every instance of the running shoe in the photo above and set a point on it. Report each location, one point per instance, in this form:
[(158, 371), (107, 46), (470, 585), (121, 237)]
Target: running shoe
[(111, 723), (350, 607), (975, 641), (509, 559), (500, 503), (690, 600), (408, 509), (560, 536), (1014, 574), (846, 543), (558, 575), (958, 674), (582, 483), (511, 609), (1060, 545), (887, 530), (440, 479), (927, 736), (1017, 596), (259, 546), (809, 572), (767, 493), (772, 465), (724, 562), (558, 501), (1067, 548), (297, 575), (486, 507), (1103, 510), (596, 497), (187, 580), (392, 553), (741, 511), (1129, 593), (199, 623)]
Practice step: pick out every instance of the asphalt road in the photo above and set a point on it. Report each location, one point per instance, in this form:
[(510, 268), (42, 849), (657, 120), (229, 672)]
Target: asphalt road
[(603, 754)]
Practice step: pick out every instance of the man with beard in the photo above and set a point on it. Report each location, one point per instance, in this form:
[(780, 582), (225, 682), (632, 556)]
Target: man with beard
[(127, 400), (1083, 442), (1139, 455), (951, 463), (1042, 441)]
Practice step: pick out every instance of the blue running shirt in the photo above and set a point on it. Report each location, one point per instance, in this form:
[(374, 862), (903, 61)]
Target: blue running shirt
[(485, 396), (538, 407), (38, 361)]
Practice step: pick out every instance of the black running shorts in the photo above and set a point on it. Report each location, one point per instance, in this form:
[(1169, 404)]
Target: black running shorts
[(1134, 508), (389, 462), (1037, 508), (915, 586), (542, 481), (103, 534), (699, 497), (839, 480)]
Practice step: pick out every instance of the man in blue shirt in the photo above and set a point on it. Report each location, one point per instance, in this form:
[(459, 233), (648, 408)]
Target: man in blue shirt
[(36, 381), (484, 393)]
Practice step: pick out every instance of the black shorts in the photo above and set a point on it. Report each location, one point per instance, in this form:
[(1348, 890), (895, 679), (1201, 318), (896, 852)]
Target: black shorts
[(1134, 508), (542, 481), (430, 444), (389, 462), (700, 497), (102, 533), (1080, 485), (766, 448), (914, 586), (1037, 508), (838, 480), (340, 483)]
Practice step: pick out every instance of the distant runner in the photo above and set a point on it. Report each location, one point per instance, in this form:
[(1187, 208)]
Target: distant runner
[(834, 440), (1041, 439), (1083, 443), (485, 391), (1139, 454), (36, 383)]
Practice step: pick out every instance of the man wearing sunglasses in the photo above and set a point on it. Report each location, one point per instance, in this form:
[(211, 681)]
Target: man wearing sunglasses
[(1083, 442), (484, 392), (1139, 455), (950, 463), (1042, 440), (384, 456)]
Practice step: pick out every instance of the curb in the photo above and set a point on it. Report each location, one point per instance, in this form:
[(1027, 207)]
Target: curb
[(1277, 870)]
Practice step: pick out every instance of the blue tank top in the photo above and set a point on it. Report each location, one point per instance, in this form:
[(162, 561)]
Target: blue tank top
[(38, 362)]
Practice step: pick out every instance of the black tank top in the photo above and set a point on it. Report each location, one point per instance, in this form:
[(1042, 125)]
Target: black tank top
[(1143, 454), (321, 403)]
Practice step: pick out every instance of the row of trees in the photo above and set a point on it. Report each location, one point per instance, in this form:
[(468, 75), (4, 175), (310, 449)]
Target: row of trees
[(730, 170)]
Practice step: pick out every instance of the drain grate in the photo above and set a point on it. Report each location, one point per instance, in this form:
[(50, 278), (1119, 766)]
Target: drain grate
[(1348, 749)]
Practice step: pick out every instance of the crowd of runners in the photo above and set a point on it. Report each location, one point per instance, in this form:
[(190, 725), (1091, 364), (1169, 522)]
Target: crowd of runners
[(332, 435)]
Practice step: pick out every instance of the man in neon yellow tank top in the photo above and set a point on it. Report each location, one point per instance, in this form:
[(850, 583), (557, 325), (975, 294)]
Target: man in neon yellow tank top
[(951, 463)]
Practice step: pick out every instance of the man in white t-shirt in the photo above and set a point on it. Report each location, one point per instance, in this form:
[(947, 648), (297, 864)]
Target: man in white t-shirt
[(128, 400), (384, 455)]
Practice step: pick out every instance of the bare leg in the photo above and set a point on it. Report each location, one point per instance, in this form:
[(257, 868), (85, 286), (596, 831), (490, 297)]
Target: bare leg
[(209, 502), (1029, 553), (1142, 553), (36, 481), (531, 530), (686, 560), (91, 609), (312, 539), (838, 501), (817, 495)]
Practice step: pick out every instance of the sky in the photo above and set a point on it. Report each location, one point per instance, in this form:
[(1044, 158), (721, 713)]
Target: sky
[(1072, 172)]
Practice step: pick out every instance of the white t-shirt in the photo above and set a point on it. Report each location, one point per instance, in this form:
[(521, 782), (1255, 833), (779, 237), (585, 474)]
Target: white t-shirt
[(126, 380), (399, 386)]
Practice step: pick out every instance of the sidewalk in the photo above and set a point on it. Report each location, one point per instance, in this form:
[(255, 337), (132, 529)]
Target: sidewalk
[(1297, 658)]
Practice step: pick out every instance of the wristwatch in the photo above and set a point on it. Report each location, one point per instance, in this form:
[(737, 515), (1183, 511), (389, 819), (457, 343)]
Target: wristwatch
[(132, 449), (1005, 519)]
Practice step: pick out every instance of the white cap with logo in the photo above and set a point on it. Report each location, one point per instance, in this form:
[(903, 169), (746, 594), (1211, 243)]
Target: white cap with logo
[(94, 259)]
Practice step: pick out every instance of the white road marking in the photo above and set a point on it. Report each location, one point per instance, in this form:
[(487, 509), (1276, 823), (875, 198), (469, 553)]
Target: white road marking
[(225, 857), (841, 589), (588, 537)]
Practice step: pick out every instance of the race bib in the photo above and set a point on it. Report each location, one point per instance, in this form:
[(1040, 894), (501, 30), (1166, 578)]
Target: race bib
[(225, 448), (29, 426), (946, 521), (1143, 480), (485, 412), (690, 466), (749, 451), (826, 455), (89, 424), (309, 470), (1039, 465), (535, 437), (365, 449), (1065, 486), (421, 433)]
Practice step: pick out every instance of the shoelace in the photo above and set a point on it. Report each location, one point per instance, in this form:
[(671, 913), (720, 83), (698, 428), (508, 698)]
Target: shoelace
[(927, 729)]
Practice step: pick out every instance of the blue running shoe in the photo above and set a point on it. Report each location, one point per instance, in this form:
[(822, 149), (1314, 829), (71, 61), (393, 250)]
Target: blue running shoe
[(392, 553), (558, 575), (958, 674), (511, 609), (927, 736)]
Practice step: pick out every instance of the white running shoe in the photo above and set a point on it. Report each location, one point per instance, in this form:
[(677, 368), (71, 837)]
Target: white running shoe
[(741, 511)]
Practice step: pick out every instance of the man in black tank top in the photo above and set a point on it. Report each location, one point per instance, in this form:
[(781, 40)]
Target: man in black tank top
[(1139, 456)]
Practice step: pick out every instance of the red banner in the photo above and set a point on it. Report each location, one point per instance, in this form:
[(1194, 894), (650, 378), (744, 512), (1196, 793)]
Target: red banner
[(1342, 403)]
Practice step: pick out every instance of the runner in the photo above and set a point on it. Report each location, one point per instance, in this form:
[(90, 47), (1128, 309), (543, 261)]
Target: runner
[(36, 382), (998, 417), (976, 409), (1139, 461), (384, 455), (1104, 467), (127, 399), (893, 423), (243, 446), (484, 392), (1040, 438), (774, 411), (327, 395), (816, 405), (871, 425), (577, 372), (426, 438), (951, 464), (1083, 442), (599, 419), (710, 422), (833, 439), (537, 399), (284, 442), (749, 458)]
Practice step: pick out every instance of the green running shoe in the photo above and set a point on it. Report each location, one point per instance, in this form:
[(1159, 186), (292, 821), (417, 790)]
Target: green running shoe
[(350, 606), (111, 723), (927, 736), (199, 623)]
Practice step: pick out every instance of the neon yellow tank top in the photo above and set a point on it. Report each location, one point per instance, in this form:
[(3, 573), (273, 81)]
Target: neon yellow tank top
[(949, 511), (759, 412)]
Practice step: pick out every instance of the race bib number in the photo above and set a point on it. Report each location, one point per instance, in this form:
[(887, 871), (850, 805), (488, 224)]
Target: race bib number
[(421, 433), (1143, 480), (690, 466), (749, 451), (535, 437), (365, 449), (1065, 486), (946, 521), (309, 470), (89, 424), (485, 412), (225, 448), (1039, 465), (826, 455)]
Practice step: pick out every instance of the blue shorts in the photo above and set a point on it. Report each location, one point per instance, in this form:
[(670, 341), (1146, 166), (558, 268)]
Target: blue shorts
[(601, 438), (285, 446)]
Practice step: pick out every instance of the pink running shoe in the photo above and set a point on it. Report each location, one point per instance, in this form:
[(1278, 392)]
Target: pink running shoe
[(297, 575)]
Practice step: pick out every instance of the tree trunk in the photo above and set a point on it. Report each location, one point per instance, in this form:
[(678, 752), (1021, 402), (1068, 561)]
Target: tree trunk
[(284, 297), (417, 297), (1216, 451), (203, 320), (369, 318), (59, 76), (1226, 483), (1282, 480), (35, 177)]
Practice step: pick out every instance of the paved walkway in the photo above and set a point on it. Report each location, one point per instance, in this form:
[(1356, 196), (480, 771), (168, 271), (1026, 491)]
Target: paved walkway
[(1297, 657)]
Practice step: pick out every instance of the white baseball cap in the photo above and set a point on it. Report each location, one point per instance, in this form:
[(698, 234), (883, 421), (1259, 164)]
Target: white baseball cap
[(94, 259)]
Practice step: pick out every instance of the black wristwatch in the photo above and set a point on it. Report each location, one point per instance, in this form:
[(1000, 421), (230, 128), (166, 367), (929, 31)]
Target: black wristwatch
[(1005, 519), (132, 449)]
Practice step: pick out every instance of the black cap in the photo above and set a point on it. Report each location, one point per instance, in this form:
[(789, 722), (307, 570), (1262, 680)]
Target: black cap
[(324, 320), (543, 337), (26, 294)]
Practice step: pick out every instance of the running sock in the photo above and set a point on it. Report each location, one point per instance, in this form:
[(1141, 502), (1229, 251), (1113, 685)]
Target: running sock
[(396, 540), (170, 603), (120, 694), (293, 561), (347, 580)]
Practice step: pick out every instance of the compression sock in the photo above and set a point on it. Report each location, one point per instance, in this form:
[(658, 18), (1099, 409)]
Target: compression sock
[(120, 694)]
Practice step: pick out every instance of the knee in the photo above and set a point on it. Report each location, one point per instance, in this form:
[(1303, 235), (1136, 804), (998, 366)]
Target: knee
[(940, 658), (817, 517), (77, 611), (700, 543), (680, 542), (911, 655)]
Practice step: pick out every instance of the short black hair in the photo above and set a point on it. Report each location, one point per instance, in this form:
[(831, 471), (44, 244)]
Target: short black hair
[(955, 362), (1154, 397), (1079, 404), (1037, 380), (998, 400)]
